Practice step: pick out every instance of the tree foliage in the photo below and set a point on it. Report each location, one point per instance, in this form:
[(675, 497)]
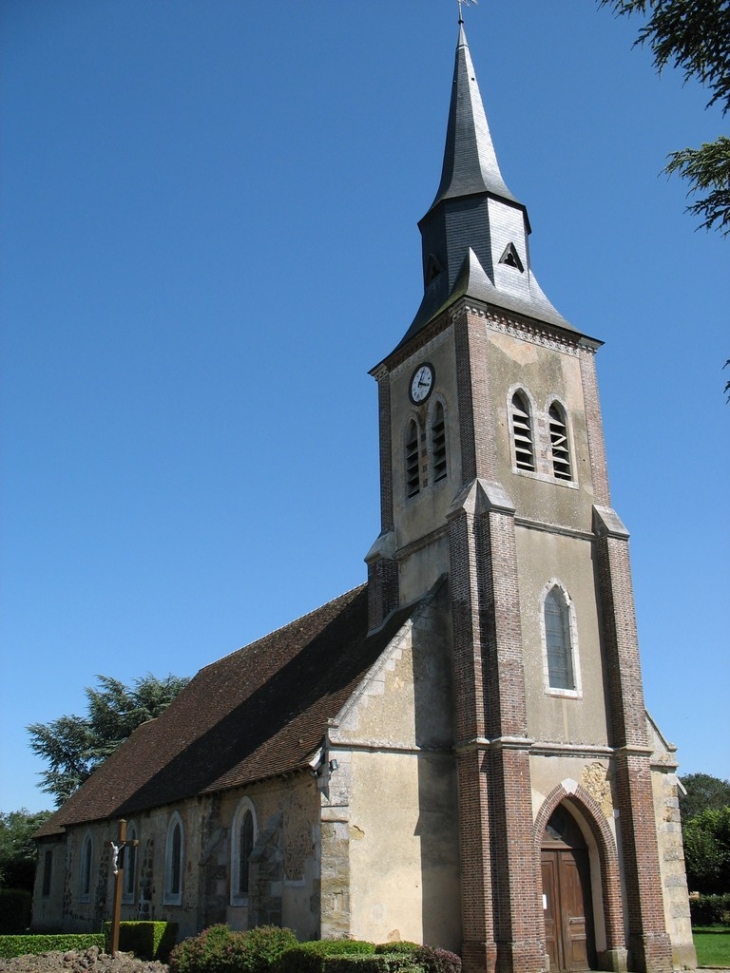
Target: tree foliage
[(705, 811), (707, 851), (73, 746), (694, 36), (17, 848), (703, 792)]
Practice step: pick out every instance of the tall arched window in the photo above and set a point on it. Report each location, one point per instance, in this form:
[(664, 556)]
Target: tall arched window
[(559, 443), (174, 858), (243, 835), (522, 433), (558, 641), (130, 865), (87, 857), (413, 472), (438, 443)]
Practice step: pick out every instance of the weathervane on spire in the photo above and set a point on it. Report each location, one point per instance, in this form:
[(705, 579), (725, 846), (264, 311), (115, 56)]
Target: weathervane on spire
[(462, 4)]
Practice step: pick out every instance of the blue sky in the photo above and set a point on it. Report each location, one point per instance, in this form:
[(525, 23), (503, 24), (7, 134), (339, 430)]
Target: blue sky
[(209, 236)]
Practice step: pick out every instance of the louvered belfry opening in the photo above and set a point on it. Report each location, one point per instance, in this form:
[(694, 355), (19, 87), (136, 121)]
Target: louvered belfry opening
[(413, 479), (522, 431), (559, 444), (438, 443)]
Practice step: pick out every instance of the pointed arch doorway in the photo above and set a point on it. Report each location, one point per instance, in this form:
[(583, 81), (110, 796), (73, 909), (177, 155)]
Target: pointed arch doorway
[(567, 902)]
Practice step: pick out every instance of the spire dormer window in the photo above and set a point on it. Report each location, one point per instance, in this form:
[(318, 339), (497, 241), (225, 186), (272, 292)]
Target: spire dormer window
[(522, 433), (433, 269), (512, 258)]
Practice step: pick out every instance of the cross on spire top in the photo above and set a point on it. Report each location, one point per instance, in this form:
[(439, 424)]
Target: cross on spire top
[(462, 4)]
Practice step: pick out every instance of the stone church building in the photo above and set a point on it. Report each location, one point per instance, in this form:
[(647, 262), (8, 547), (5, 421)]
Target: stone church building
[(456, 752)]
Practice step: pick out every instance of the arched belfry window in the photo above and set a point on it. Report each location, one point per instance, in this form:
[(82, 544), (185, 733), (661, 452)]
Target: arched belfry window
[(522, 433), (559, 641), (243, 839), (559, 445), (412, 460), (438, 442), (174, 859), (87, 858)]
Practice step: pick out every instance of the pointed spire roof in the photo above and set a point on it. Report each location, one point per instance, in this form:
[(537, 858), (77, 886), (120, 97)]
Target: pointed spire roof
[(470, 163), (474, 237)]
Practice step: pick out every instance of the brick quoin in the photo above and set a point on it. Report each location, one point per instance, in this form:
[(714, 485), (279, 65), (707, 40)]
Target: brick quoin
[(648, 943)]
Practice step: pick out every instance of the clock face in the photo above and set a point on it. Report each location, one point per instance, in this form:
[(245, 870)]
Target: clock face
[(422, 383)]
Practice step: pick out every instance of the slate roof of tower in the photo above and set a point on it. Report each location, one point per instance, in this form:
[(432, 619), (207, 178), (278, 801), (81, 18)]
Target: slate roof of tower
[(257, 713)]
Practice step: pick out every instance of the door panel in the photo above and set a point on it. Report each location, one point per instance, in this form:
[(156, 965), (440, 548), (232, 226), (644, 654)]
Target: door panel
[(551, 909), (575, 903), (568, 913)]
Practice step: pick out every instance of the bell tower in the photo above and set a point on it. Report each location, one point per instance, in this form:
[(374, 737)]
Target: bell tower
[(493, 473)]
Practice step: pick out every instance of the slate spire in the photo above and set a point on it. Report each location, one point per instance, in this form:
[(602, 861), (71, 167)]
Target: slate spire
[(470, 163), (475, 234)]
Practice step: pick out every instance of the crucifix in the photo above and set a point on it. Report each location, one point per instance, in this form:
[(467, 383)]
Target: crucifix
[(118, 869)]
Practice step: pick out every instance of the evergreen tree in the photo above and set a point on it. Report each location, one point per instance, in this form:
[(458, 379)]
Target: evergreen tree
[(74, 745), (17, 849), (694, 36)]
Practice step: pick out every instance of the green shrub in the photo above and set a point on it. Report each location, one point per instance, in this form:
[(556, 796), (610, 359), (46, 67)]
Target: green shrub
[(11, 946), (374, 963), (14, 911), (148, 940), (432, 959), (220, 950), (402, 946), (710, 910), (310, 957), (263, 945)]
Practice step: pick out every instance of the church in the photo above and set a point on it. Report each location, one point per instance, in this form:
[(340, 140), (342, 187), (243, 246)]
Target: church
[(457, 752)]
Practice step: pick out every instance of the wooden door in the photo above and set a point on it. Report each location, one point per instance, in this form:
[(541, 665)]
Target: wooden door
[(567, 905)]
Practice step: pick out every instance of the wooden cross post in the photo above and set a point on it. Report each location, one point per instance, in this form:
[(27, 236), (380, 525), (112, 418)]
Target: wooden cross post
[(118, 869)]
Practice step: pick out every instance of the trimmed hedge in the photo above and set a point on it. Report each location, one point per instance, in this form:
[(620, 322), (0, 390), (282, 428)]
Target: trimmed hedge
[(220, 950), (11, 946), (375, 963), (710, 910), (310, 957), (14, 911), (148, 940), (400, 946)]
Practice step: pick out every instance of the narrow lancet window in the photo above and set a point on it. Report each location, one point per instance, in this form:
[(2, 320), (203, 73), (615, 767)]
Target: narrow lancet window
[(174, 853), (87, 853), (522, 433), (130, 865), (558, 641), (245, 847), (413, 474), (559, 443), (243, 840), (438, 443)]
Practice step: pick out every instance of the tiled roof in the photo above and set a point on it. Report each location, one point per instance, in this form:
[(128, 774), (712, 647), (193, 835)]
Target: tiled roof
[(257, 713)]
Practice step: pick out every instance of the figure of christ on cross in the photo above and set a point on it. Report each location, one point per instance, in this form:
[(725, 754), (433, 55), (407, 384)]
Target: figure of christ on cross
[(118, 869)]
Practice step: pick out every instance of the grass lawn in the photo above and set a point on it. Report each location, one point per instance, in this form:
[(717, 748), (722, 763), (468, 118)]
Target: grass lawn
[(712, 944)]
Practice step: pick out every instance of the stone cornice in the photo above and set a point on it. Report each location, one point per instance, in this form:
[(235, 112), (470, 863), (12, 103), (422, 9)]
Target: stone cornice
[(526, 329)]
